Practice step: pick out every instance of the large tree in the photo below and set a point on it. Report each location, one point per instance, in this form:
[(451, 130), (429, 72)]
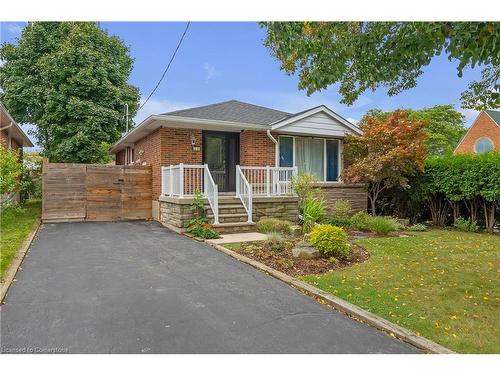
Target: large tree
[(70, 80), (367, 55), (386, 155), (445, 126)]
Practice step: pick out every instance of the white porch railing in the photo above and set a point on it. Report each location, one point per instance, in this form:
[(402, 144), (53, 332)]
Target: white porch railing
[(186, 179), (270, 181), (244, 192)]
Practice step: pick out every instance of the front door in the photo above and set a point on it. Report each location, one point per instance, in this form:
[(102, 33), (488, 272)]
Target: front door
[(221, 151)]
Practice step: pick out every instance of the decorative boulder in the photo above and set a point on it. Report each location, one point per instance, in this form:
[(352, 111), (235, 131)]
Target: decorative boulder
[(304, 249)]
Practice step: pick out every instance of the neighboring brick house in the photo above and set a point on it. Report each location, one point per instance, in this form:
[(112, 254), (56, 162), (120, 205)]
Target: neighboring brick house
[(483, 135), (12, 136), (230, 134)]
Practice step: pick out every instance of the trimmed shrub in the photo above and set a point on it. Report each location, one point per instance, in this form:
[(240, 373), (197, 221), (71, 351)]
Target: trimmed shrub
[(313, 212), (274, 225), (465, 225), (330, 241), (418, 228)]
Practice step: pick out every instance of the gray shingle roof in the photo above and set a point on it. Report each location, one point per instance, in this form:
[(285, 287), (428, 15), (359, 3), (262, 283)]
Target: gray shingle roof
[(234, 111), (495, 115)]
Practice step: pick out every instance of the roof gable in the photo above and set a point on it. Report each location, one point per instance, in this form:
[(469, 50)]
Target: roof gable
[(319, 121), (233, 111), (495, 115)]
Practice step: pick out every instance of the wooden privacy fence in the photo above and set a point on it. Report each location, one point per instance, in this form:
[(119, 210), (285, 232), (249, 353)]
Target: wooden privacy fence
[(78, 192)]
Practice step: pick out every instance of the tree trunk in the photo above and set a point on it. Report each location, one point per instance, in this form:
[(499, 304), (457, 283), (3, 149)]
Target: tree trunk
[(373, 193), (489, 214), (439, 210), (472, 206), (455, 206)]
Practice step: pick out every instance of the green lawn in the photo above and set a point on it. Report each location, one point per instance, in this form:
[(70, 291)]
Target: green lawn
[(15, 226), (443, 285)]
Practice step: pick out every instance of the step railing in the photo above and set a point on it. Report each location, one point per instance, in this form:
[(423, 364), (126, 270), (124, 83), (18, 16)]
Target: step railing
[(244, 192), (186, 179), (270, 181)]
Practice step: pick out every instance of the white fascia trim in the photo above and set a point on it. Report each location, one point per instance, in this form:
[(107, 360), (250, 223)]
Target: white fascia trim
[(26, 141), (196, 122), (322, 108), (468, 130)]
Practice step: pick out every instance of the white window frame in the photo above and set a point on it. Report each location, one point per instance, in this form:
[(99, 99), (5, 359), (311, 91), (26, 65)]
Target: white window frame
[(339, 151), (484, 138)]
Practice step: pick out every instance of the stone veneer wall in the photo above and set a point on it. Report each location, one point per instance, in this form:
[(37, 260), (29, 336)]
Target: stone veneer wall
[(284, 208), (356, 194)]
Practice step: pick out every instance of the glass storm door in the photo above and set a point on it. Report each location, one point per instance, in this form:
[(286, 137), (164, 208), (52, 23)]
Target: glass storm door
[(221, 153)]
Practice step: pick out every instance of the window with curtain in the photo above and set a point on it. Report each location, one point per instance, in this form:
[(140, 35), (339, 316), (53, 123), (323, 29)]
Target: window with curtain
[(332, 159), (309, 156)]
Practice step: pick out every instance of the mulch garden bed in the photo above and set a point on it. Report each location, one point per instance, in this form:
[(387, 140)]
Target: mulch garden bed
[(285, 262)]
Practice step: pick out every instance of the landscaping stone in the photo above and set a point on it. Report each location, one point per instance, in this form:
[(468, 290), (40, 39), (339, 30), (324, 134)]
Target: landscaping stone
[(304, 249)]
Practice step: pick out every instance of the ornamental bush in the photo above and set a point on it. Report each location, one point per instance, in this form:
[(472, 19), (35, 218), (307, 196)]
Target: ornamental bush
[(274, 225), (330, 241), (10, 170)]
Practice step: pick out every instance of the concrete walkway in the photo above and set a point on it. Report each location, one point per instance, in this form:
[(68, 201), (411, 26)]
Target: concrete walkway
[(239, 237), (136, 287)]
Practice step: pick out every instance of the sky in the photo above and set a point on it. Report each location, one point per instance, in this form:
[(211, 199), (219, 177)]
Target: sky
[(220, 61)]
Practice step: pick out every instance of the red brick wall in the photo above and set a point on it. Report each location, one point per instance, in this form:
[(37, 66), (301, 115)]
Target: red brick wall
[(4, 139), (167, 146), (256, 149), (482, 127), (120, 158)]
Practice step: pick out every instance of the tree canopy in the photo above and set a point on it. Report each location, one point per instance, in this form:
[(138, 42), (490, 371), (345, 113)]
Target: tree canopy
[(386, 155), (367, 55), (445, 126), (70, 80)]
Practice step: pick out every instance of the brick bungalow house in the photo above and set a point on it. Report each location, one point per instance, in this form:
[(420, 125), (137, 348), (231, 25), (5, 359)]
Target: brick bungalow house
[(241, 157), (483, 135), (12, 137)]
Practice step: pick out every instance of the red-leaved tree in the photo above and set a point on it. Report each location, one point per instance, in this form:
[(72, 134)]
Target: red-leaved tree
[(388, 152)]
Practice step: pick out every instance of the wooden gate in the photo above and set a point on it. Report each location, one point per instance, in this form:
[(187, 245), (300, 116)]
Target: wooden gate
[(78, 192)]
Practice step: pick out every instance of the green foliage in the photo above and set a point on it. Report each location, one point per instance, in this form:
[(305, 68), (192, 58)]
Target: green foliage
[(31, 178), (199, 227), (418, 228), (445, 126), (364, 56), (10, 170), (483, 94), (198, 204), (462, 178), (361, 221), (274, 226), (344, 222), (341, 208), (303, 186), (383, 225), (275, 242), (330, 241), (70, 80), (313, 212), (466, 225)]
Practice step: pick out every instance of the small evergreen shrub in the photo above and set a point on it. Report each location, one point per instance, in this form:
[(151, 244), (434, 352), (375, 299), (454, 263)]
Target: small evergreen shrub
[(274, 225), (466, 225), (330, 241), (341, 209), (343, 222), (417, 228)]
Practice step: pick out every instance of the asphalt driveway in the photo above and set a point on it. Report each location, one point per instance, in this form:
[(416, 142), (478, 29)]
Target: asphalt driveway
[(136, 287)]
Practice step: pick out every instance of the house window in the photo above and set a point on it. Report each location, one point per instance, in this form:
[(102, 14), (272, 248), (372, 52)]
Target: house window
[(317, 156), (483, 145)]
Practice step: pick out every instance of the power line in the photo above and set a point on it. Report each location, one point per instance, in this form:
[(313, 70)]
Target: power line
[(168, 66)]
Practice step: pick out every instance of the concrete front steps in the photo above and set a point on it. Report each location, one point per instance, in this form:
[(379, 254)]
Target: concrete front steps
[(233, 217)]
